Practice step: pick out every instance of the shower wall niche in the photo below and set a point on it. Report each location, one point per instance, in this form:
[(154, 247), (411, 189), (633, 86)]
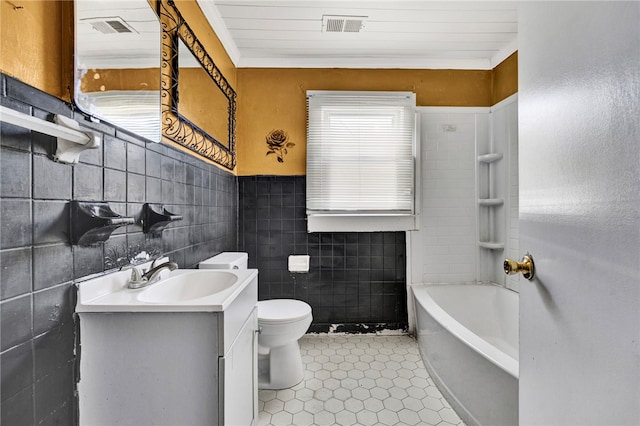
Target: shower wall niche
[(497, 194), (469, 195)]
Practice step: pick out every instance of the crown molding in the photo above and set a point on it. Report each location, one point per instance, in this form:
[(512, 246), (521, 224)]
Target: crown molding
[(373, 63), (217, 24), (504, 53)]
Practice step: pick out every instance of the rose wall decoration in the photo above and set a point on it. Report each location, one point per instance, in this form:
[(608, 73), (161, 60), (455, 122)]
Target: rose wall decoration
[(278, 142)]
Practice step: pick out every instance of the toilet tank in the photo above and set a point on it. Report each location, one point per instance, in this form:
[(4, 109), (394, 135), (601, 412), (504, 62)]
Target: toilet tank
[(226, 260)]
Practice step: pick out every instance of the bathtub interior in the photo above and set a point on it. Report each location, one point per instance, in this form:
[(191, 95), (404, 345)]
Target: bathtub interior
[(468, 339), (483, 316), (489, 311)]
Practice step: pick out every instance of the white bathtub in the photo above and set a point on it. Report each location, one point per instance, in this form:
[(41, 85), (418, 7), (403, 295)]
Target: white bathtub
[(468, 339)]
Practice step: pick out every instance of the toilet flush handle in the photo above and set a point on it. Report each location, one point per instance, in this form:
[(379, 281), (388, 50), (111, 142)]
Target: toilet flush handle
[(259, 330), (525, 267)]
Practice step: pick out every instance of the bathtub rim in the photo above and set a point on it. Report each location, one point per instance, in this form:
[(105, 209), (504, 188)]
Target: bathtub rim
[(494, 355)]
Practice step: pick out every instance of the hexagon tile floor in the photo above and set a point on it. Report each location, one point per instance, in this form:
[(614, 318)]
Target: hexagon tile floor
[(358, 380)]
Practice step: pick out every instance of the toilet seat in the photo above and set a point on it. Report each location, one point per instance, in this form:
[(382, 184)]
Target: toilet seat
[(282, 311)]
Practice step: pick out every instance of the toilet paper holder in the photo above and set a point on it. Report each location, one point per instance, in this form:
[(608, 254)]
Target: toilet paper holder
[(299, 263)]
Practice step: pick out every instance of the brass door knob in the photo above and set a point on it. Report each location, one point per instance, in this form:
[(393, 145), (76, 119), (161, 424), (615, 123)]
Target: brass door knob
[(525, 267)]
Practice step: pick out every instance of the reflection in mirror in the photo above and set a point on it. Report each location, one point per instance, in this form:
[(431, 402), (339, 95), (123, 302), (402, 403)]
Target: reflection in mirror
[(117, 74), (201, 101)]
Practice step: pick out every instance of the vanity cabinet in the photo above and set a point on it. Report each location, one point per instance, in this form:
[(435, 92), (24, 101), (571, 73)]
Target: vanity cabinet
[(170, 368), (238, 379)]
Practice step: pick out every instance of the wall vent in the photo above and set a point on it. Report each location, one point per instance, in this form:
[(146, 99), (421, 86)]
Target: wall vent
[(343, 23), (110, 25)]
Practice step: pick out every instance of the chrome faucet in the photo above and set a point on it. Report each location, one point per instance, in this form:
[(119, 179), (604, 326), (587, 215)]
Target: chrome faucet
[(139, 279)]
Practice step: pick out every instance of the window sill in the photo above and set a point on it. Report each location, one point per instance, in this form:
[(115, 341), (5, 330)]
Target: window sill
[(361, 223)]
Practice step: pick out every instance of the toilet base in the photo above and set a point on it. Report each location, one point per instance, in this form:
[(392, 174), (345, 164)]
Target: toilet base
[(280, 367)]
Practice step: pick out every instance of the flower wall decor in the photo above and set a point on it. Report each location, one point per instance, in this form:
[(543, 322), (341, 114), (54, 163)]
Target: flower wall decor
[(278, 142)]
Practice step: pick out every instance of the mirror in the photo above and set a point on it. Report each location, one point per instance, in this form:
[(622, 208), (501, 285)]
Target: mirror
[(200, 99), (117, 72), (198, 104)]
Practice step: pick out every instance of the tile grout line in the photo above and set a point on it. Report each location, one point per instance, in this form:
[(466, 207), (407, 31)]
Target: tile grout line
[(358, 380)]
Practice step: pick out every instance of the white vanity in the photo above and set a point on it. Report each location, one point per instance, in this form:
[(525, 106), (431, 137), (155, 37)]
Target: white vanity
[(181, 351)]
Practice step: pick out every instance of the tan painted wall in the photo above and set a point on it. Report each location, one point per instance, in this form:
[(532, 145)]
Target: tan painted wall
[(193, 15), (188, 107), (99, 80), (203, 103), (505, 79), (37, 43), (276, 99)]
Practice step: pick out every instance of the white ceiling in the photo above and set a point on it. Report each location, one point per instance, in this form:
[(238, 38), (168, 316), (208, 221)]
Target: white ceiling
[(137, 49), (397, 34)]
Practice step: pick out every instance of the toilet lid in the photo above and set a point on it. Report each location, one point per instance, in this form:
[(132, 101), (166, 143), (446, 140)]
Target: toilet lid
[(282, 311)]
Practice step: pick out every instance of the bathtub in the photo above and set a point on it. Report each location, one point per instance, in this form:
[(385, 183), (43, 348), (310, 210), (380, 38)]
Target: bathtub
[(468, 339)]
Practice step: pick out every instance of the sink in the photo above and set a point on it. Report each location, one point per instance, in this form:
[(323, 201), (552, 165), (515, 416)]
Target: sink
[(182, 290), (134, 339), (188, 286)]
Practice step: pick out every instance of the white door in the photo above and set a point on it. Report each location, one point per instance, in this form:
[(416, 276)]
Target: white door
[(579, 112)]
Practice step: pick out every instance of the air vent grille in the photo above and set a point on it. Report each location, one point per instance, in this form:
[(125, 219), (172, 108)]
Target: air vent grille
[(110, 25), (343, 24)]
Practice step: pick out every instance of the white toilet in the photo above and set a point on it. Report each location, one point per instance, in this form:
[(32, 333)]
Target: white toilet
[(282, 322)]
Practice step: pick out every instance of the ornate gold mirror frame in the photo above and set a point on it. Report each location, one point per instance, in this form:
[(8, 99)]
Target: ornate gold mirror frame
[(176, 127)]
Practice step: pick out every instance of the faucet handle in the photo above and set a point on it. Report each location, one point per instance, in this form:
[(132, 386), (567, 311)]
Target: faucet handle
[(136, 278), (136, 274), (157, 261)]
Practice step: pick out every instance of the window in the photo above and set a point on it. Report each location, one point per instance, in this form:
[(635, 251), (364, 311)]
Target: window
[(134, 110), (361, 161)]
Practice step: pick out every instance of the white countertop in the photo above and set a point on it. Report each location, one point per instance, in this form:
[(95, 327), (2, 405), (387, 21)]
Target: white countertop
[(109, 293)]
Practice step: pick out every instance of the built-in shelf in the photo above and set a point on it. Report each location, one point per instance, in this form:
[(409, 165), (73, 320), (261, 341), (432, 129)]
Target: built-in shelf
[(490, 158), (491, 245), (491, 201)]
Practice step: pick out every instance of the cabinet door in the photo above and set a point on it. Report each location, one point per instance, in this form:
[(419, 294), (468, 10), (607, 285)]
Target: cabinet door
[(238, 369)]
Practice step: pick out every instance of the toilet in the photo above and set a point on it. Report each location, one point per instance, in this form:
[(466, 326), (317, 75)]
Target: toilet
[(282, 322)]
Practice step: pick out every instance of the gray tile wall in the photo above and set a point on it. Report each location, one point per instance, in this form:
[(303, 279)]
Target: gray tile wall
[(38, 266), (356, 280)]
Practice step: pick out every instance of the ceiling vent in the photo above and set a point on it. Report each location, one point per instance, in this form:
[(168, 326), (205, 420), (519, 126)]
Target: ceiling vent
[(110, 25), (342, 23)]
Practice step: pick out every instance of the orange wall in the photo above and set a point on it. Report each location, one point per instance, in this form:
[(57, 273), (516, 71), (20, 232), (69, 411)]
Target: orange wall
[(99, 80), (276, 99), (196, 20), (193, 15), (36, 44), (203, 103), (505, 79)]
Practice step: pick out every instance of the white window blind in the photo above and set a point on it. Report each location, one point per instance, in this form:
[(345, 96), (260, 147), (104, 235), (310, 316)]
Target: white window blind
[(360, 159), (134, 110)]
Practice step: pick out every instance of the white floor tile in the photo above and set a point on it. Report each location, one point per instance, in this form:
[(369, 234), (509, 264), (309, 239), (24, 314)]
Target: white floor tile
[(358, 380)]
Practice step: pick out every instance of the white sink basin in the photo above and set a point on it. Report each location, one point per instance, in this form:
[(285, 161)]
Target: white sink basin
[(182, 290), (188, 286)]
